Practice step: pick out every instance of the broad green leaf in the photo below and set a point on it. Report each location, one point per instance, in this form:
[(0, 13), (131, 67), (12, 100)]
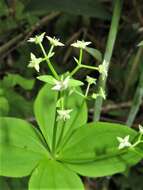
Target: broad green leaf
[(76, 7), (93, 150), (21, 147), (54, 175), (18, 105), (95, 53), (45, 111), (4, 106), (14, 79)]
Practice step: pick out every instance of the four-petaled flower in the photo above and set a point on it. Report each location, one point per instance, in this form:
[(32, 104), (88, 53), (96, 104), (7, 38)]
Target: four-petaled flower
[(141, 129), (102, 69), (62, 84), (54, 41), (124, 142), (37, 39), (91, 80), (35, 62), (80, 44), (64, 114)]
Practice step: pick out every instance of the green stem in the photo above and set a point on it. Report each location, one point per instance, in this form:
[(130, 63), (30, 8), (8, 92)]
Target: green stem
[(75, 70), (108, 54), (136, 101), (80, 56), (133, 70), (89, 67), (48, 61), (61, 135), (70, 130), (87, 90)]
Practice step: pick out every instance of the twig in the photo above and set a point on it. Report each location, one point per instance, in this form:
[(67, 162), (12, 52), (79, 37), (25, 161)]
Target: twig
[(21, 38)]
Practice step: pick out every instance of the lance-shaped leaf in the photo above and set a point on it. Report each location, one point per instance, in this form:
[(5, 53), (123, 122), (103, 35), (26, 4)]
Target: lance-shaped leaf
[(93, 150), (21, 147), (51, 80), (54, 175), (45, 111)]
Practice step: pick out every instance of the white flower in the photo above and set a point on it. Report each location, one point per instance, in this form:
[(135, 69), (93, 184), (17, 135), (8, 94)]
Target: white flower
[(34, 63), (102, 69), (64, 114), (90, 80), (141, 129), (54, 41), (124, 142), (37, 39), (80, 44), (61, 84)]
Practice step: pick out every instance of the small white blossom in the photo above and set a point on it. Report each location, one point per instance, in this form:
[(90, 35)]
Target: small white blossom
[(64, 114), (80, 44), (55, 42), (90, 80), (141, 129), (34, 63), (37, 39), (102, 69), (124, 142), (94, 96), (61, 84)]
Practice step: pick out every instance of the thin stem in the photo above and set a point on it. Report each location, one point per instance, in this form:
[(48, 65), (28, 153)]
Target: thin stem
[(70, 130), (87, 90), (136, 102), (75, 70), (78, 63), (61, 134), (48, 61), (80, 56), (51, 49), (108, 54), (133, 70), (89, 67), (54, 136)]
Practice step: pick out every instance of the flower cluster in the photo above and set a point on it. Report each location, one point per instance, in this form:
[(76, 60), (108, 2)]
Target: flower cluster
[(64, 82)]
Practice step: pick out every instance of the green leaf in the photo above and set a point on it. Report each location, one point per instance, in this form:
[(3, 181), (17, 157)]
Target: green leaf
[(21, 147), (45, 111), (93, 150), (14, 79), (95, 53), (53, 175), (47, 78), (4, 106), (75, 83), (51, 80), (77, 7), (18, 105)]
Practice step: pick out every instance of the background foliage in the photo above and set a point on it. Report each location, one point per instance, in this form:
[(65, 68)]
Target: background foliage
[(72, 20)]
